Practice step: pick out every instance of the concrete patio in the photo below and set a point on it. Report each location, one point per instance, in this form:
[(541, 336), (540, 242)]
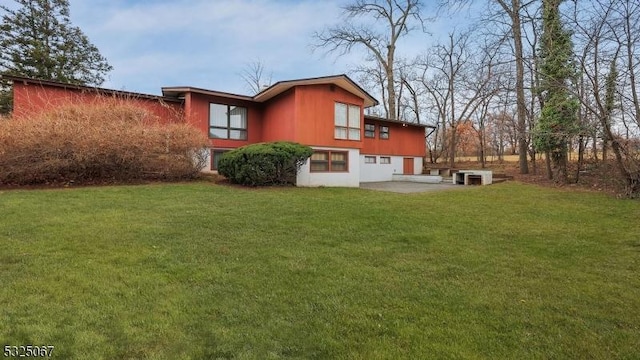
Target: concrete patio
[(406, 187)]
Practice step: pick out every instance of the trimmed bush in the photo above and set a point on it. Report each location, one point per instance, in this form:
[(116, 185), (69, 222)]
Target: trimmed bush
[(102, 142), (261, 164)]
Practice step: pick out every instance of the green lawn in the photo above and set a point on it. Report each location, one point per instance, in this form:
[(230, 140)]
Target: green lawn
[(193, 271)]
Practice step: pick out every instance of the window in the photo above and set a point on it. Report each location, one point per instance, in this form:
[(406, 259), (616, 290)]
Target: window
[(384, 132), (369, 159), (227, 122), (369, 130), (385, 160), (215, 158), (347, 122), (331, 161)]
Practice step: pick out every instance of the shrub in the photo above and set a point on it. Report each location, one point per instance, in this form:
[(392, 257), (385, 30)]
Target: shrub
[(275, 163), (109, 140)]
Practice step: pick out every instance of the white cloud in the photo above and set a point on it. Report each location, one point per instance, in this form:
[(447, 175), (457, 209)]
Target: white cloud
[(205, 42)]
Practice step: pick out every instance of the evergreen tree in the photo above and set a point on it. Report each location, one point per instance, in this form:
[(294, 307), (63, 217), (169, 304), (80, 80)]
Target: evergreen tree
[(38, 40), (558, 119)]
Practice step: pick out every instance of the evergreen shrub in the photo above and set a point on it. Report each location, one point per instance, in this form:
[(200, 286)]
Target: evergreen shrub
[(264, 164)]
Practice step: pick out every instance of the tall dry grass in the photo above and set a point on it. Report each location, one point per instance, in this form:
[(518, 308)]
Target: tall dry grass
[(108, 140)]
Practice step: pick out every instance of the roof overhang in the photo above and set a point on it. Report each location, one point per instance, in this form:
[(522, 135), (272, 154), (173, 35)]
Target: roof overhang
[(176, 93), (76, 87), (403, 123), (179, 91), (342, 81)]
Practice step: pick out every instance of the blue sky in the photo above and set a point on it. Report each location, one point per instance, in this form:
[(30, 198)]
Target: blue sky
[(207, 43)]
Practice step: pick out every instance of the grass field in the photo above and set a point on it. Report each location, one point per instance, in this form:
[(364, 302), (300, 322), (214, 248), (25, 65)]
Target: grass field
[(193, 271)]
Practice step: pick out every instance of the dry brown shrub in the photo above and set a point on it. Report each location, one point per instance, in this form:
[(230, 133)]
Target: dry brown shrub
[(108, 140)]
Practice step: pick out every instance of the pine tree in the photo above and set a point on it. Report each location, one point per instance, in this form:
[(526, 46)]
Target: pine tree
[(558, 119), (38, 40)]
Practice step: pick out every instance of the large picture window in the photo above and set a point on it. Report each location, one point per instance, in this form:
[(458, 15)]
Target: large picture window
[(227, 122), (330, 161), (347, 122)]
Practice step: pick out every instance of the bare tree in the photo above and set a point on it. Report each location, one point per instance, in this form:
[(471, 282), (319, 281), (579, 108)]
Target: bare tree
[(255, 77), (607, 30), (513, 10), (493, 79), (456, 78), (374, 77), (397, 18)]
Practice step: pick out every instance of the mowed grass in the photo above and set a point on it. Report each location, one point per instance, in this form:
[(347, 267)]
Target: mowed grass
[(199, 271)]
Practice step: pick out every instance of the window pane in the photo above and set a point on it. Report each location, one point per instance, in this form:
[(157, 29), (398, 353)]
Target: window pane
[(322, 156), (238, 117), (238, 134), (218, 133), (338, 166), (341, 133), (341, 114), (354, 116), (384, 132), (320, 161), (338, 161), (218, 115), (369, 159), (319, 166), (216, 158), (354, 134), (385, 160), (369, 130)]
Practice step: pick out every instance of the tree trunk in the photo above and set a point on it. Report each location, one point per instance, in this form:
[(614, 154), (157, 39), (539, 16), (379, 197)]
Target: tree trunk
[(393, 111), (452, 149), (547, 156), (482, 155), (559, 162), (630, 176), (534, 164), (580, 157), (520, 98)]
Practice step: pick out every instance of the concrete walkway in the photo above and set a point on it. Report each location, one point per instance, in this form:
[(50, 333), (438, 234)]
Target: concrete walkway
[(406, 187)]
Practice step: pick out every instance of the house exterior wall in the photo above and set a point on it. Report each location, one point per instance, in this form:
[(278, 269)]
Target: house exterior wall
[(31, 99), (197, 114), (385, 172), (278, 118), (315, 112), (304, 114), (418, 165), (403, 140), (351, 178), (206, 154)]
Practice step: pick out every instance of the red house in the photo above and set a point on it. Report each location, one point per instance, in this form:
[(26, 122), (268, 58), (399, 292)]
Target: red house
[(326, 113)]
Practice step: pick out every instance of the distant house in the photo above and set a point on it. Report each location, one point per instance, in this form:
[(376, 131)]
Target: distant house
[(326, 113)]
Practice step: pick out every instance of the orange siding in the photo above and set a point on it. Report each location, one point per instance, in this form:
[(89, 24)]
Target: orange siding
[(314, 117), (31, 99), (278, 118), (197, 110), (304, 114), (403, 140)]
